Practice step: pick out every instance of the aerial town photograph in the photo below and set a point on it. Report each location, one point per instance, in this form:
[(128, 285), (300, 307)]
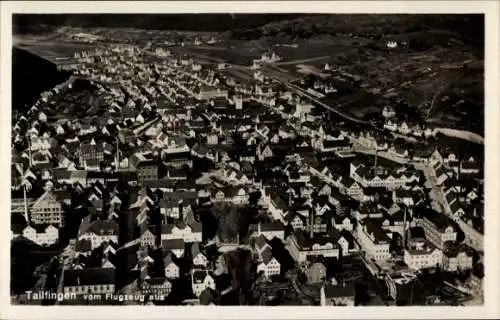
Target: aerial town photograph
[(247, 159)]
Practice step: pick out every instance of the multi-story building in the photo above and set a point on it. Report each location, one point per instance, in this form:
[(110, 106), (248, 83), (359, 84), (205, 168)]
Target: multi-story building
[(48, 209), (457, 258), (300, 245), (337, 295), (373, 240), (268, 264), (98, 231), (199, 259), (423, 255), (171, 269), (156, 286), (181, 230), (145, 166), (438, 228), (90, 153), (89, 280), (17, 205), (147, 237), (207, 93), (367, 177)]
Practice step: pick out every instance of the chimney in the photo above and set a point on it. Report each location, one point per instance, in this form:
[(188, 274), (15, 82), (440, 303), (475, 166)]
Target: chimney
[(26, 205), (258, 229), (181, 209), (29, 152), (78, 281), (404, 228), (117, 157), (311, 231)]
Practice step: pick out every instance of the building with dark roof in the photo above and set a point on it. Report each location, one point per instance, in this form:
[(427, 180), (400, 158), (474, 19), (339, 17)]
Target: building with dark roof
[(98, 231), (457, 257), (438, 228), (145, 166), (301, 246), (373, 240), (337, 295), (177, 246), (89, 280), (269, 230)]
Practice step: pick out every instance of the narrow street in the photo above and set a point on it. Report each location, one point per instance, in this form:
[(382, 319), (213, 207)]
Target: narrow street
[(436, 193)]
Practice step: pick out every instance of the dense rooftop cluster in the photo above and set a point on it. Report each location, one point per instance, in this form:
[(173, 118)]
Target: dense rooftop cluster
[(168, 177)]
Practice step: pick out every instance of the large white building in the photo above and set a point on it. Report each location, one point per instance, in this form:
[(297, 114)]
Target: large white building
[(188, 233), (301, 246), (373, 240), (366, 177), (89, 280), (48, 209), (438, 228), (423, 255)]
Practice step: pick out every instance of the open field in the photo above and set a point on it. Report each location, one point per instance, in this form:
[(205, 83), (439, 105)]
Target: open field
[(51, 49), (435, 74)]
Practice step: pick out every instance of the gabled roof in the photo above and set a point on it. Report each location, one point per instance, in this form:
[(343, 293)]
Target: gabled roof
[(451, 197), (261, 241), (339, 219), (292, 215), (379, 235), (173, 244), (196, 227), (455, 207), (349, 237), (266, 255), (417, 233), (48, 195), (89, 277), (98, 227), (452, 250), (386, 202), (306, 243), (168, 258), (83, 245), (439, 220), (195, 249), (158, 281), (207, 296), (338, 291)]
